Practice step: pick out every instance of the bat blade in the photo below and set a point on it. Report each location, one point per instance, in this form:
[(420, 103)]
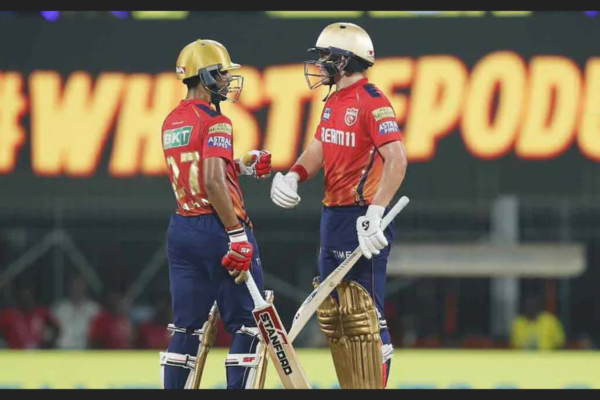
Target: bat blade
[(279, 347)]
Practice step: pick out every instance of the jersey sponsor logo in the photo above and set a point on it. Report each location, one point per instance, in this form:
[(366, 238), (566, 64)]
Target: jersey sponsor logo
[(383, 112), (337, 137), (388, 127), (180, 70), (351, 116), (222, 128), (177, 137), (220, 141), (327, 114)]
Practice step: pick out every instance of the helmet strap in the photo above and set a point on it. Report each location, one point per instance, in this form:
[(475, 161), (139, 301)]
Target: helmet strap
[(216, 100)]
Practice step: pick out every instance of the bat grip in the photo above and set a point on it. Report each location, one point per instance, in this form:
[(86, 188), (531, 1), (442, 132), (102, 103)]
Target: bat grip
[(400, 204), (254, 292)]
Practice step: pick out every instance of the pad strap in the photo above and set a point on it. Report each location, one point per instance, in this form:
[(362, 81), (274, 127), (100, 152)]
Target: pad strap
[(177, 360), (387, 352), (172, 328)]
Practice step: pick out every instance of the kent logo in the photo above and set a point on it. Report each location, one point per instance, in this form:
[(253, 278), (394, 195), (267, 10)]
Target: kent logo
[(177, 137)]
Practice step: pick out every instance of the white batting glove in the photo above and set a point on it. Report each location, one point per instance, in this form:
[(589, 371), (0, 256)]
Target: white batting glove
[(370, 236), (284, 190)]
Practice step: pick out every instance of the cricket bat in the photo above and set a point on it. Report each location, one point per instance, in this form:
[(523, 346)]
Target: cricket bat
[(314, 300), (275, 337)]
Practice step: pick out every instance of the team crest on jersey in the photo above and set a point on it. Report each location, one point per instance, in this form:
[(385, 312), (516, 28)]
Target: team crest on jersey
[(327, 114), (351, 116)]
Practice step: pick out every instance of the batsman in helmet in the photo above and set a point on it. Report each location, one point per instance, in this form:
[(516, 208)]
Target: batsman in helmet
[(210, 241), (359, 145)]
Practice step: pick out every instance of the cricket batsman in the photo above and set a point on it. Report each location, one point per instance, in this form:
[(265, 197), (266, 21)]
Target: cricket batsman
[(359, 145), (210, 244)]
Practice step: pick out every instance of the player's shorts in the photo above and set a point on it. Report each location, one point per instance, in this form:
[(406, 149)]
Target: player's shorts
[(195, 247), (339, 239)]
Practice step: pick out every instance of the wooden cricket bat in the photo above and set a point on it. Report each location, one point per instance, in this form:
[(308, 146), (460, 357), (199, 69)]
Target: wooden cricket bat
[(274, 335), (314, 300)]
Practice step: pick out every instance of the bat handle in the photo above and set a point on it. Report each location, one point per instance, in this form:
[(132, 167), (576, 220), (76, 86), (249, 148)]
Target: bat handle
[(254, 292), (400, 204)]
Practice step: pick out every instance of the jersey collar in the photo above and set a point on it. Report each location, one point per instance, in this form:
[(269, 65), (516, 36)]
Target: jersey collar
[(196, 101), (353, 87)]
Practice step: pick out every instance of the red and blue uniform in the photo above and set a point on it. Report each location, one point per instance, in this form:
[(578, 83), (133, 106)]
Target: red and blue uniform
[(356, 122), (197, 239)]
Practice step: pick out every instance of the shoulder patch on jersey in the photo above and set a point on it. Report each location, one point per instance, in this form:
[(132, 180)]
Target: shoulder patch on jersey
[(222, 127), (208, 110), (220, 141), (383, 112), (372, 90), (388, 127), (327, 114), (178, 137)]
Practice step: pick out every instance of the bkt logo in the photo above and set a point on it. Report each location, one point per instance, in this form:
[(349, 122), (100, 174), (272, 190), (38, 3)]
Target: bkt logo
[(177, 137), (219, 141)]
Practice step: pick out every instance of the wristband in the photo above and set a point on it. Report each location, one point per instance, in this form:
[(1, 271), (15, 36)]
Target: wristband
[(237, 233), (301, 171)]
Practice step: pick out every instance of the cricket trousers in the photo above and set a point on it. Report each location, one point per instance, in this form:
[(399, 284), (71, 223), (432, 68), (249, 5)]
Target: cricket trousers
[(338, 240), (195, 248)]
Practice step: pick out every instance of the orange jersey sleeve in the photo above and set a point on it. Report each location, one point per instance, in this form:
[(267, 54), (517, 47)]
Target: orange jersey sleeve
[(217, 139), (380, 120), (218, 142)]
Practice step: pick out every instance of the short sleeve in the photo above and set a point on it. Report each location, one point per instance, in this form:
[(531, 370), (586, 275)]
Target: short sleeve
[(380, 122), (217, 138)]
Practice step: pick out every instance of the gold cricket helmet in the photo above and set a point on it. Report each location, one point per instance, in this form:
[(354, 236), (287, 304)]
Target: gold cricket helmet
[(210, 61)]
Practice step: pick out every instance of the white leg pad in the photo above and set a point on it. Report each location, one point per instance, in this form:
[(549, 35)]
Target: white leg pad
[(250, 360), (176, 360)]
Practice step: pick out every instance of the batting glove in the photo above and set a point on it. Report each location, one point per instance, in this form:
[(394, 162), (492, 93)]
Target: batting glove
[(239, 257), (370, 236), (284, 190), (255, 163)]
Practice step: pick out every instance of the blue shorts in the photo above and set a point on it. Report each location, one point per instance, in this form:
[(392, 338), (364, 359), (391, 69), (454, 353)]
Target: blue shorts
[(195, 247), (339, 239)]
